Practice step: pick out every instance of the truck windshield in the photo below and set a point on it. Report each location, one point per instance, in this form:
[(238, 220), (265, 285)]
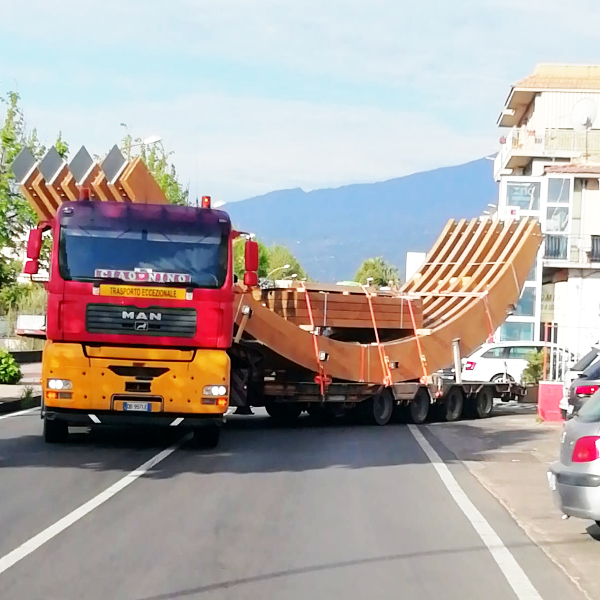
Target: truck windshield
[(194, 258)]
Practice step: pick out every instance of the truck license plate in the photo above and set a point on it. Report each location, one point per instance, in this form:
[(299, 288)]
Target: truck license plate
[(138, 406)]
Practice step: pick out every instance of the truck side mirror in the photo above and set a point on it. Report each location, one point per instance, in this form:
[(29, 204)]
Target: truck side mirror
[(31, 267), (251, 256), (250, 279), (34, 244)]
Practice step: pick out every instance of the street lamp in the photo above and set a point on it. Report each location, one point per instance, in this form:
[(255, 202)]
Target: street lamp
[(278, 269)]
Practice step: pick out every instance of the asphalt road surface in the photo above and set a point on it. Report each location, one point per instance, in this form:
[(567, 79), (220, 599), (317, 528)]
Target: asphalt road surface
[(274, 513)]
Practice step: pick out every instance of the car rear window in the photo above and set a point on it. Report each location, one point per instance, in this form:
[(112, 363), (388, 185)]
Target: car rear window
[(593, 371), (590, 411), (497, 352)]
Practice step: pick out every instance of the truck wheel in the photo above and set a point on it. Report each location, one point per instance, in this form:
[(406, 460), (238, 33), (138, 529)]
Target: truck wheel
[(452, 405), (207, 437), (55, 432), (419, 407), (378, 409), (283, 411), (484, 403)]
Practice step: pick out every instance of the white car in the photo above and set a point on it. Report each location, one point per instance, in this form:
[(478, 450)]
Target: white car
[(506, 361)]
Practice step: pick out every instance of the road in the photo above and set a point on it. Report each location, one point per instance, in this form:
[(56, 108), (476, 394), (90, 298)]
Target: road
[(273, 513)]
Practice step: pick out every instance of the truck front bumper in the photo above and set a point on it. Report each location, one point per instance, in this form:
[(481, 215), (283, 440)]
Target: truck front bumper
[(81, 418)]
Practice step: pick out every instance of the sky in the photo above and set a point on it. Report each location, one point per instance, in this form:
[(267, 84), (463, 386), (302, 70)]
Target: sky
[(258, 95)]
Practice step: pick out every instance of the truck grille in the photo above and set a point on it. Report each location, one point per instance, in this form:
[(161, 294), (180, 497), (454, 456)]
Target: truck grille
[(154, 321)]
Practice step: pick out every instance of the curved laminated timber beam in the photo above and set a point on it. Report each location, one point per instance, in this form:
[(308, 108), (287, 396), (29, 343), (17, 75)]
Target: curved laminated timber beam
[(51, 181), (472, 276)]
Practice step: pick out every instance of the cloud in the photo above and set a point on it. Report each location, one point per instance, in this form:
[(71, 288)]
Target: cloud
[(347, 90)]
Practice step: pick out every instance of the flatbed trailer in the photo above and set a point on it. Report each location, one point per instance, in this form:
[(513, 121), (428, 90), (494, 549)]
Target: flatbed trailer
[(413, 401)]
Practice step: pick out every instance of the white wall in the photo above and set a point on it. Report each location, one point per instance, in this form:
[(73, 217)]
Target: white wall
[(414, 261), (577, 310), (590, 211), (553, 110)]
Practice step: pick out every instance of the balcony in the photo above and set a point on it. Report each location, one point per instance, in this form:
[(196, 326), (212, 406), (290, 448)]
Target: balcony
[(523, 144), (563, 250)]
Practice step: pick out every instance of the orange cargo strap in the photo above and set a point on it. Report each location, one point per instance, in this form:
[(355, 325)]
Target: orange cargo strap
[(419, 349), (322, 379), (489, 318), (385, 363)]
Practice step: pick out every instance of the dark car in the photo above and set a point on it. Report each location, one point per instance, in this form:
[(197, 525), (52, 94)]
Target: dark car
[(582, 388)]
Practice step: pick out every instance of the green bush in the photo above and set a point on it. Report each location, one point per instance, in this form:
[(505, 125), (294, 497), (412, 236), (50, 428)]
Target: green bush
[(534, 370), (10, 371)]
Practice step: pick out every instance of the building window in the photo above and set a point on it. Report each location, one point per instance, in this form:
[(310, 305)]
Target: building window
[(557, 218), (526, 304), (513, 331), (524, 195), (533, 273), (559, 190), (556, 246)]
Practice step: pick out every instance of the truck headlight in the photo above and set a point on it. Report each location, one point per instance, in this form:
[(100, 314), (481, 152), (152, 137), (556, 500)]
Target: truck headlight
[(60, 384), (214, 390)]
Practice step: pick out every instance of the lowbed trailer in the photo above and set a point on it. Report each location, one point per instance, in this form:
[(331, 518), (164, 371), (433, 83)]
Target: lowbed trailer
[(414, 402)]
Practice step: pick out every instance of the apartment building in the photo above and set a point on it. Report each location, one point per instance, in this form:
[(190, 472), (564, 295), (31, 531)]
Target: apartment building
[(548, 167)]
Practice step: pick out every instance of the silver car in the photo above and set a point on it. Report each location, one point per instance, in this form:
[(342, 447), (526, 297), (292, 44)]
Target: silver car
[(575, 478)]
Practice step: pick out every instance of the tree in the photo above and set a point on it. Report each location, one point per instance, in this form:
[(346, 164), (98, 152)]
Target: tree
[(379, 270), (238, 258), (16, 215), (279, 256)]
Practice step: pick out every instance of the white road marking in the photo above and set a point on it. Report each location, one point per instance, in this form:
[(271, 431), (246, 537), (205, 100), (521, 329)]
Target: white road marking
[(18, 554), (19, 412), (509, 566)]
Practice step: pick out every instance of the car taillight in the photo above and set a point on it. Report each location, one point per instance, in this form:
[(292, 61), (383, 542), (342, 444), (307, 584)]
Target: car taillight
[(586, 390), (469, 366), (587, 449)]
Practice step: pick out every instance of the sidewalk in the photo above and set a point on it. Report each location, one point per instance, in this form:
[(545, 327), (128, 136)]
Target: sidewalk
[(17, 397), (509, 454)]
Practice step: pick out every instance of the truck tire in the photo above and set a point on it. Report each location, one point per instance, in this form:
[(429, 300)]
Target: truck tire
[(484, 403), (55, 432), (377, 410), (418, 408), (283, 411), (452, 405), (207, 437)]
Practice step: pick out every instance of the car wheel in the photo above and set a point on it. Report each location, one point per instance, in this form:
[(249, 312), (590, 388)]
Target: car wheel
[(502, 378)]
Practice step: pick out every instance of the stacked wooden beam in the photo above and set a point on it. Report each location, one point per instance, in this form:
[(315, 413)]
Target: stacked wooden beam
[(51, 181), (343, 310)]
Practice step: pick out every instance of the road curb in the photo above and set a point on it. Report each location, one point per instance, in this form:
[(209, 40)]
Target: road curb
[(15, 404)]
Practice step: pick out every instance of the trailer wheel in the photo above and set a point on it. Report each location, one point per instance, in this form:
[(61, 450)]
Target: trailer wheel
[(55, 432), (208, 436), (283, 411), (484, 403), (419, 407), (378, 409), (452, 405)]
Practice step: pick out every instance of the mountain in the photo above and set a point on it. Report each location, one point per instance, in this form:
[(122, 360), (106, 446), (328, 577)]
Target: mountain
[(331, 231)]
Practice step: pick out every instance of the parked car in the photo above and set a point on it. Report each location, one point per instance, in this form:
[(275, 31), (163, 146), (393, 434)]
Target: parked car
[(592, 357), (575, 478), (582, 388), (506, 361)]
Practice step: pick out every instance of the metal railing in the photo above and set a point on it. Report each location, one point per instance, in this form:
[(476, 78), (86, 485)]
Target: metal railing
[(566, 143), (572, 248)]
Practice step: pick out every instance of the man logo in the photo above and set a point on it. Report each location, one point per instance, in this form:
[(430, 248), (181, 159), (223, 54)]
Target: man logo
[(141, 316)]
